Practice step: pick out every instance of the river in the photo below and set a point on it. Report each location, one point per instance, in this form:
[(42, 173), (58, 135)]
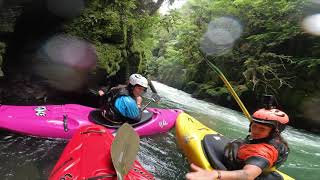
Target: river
[(33, 158)]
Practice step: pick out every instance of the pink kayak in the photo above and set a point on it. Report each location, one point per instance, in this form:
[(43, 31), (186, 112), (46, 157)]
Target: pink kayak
[(61, 121)]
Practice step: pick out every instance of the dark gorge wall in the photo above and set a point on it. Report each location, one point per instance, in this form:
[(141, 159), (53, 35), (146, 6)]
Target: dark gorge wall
[(33, 26), (26, 26), (57, 51)]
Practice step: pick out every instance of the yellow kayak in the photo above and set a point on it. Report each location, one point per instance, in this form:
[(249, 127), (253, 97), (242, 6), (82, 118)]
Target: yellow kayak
[(190, 134)]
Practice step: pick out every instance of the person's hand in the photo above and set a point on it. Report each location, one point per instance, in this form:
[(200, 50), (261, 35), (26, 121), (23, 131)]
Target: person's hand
[(101, 93), (201, 174), (139, 101)]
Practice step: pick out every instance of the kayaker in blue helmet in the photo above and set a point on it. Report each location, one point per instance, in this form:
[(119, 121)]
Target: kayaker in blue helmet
[(256, 155), (123, 102)]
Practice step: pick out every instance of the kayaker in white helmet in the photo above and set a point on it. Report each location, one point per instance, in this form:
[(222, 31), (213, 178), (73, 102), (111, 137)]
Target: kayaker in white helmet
[(257, 154), (123, 102)]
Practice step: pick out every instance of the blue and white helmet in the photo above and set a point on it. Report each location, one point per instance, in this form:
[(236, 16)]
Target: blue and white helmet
[(138, 79)]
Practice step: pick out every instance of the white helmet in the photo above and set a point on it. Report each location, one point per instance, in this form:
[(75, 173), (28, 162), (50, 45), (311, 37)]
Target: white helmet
[(137, 79)]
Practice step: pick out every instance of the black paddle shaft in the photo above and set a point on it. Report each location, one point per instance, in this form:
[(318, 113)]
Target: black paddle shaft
[(153, 89)]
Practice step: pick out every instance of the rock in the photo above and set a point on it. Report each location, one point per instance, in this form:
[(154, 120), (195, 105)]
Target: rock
[(310, 107)]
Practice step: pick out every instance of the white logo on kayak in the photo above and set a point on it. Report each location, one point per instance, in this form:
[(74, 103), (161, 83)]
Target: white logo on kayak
[(41, 111), (163, 123)]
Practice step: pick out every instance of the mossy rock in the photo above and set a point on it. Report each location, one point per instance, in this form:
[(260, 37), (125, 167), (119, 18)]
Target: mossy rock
[(2, 47), (217, 92), (318, 84), (310, 108), (191, 87), (292, 99)]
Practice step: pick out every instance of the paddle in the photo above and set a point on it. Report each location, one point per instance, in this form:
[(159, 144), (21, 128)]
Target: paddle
[(124, 150), (153, 89), (94, 92), (155, 97), (229, 87), (228, 30)]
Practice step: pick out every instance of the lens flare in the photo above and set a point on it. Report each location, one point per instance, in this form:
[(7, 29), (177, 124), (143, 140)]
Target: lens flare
[(71, 51), (65, 62), (311, 24), (65, 8), (221, 34), (230, 27), (210, 48)]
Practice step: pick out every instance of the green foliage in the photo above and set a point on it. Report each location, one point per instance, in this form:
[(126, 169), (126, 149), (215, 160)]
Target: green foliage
[(101, 21), (310, 63), (143, 41), (267, 72), (259, 61), (121, 30), (191, 86), (2, 51), (216, 92), (109, 57)]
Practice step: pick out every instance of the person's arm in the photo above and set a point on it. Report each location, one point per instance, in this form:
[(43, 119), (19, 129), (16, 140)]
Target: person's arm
[(249, 172)]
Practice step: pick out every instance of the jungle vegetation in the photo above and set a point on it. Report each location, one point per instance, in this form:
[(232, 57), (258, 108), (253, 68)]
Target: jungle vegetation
[(273, 54), (270, 54)]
